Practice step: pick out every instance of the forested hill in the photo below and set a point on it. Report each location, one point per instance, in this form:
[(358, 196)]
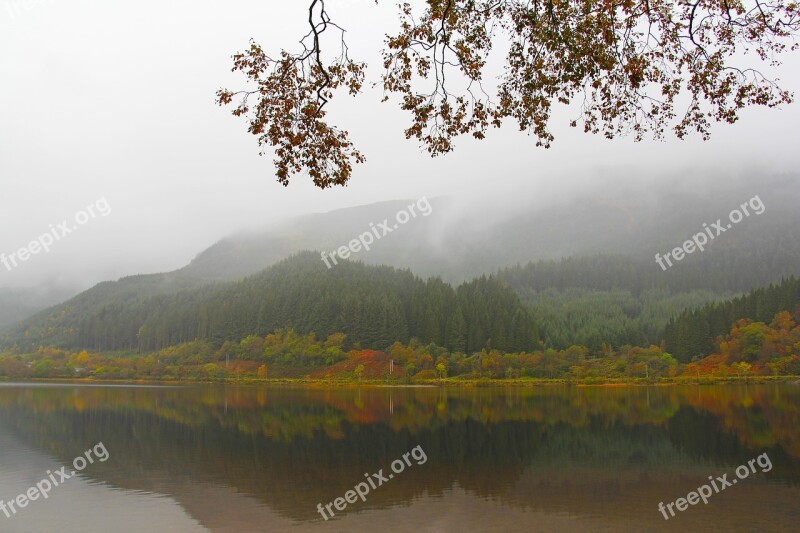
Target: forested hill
[(728, 268), (457, 242), (373, 306), (694, 331), (620, 299), (617, 298)]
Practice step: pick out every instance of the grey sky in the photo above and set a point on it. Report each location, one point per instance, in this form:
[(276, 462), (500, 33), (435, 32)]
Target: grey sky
[(116, 100)]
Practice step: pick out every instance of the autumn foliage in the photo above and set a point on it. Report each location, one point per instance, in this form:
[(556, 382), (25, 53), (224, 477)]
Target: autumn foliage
[(627, 67), (754, 349), (751, 349)]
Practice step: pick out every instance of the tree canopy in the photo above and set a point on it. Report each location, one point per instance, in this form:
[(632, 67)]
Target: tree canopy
[(645, 68)]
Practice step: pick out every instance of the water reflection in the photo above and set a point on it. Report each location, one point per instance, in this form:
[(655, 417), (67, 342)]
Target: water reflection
[(261, 459)]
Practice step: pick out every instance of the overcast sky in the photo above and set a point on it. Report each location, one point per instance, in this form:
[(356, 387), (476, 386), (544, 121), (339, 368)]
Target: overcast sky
[(115, 100)]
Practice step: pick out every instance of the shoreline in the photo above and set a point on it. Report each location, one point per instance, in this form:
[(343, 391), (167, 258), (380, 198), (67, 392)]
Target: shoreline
[(430, 383)]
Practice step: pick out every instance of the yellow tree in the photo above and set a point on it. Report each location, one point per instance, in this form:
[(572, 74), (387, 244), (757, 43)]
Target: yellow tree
[(742, 368)]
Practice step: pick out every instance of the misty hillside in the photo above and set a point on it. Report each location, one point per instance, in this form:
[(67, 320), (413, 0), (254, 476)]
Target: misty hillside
[(611, 288), (19, 304), (458, 241)]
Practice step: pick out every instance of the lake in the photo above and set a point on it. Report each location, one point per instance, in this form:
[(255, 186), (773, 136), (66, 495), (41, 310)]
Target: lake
[(238, 458)]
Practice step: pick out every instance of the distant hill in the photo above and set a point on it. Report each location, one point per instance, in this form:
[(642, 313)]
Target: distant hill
[(626, 298), (609, 289), (20, 303), (459, 241), (374, 306)]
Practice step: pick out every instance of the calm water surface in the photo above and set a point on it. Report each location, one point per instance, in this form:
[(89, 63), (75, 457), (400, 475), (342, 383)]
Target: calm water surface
[(213, 458)]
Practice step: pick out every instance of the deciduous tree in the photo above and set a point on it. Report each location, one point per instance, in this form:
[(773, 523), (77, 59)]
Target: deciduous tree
[(640, 67)]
